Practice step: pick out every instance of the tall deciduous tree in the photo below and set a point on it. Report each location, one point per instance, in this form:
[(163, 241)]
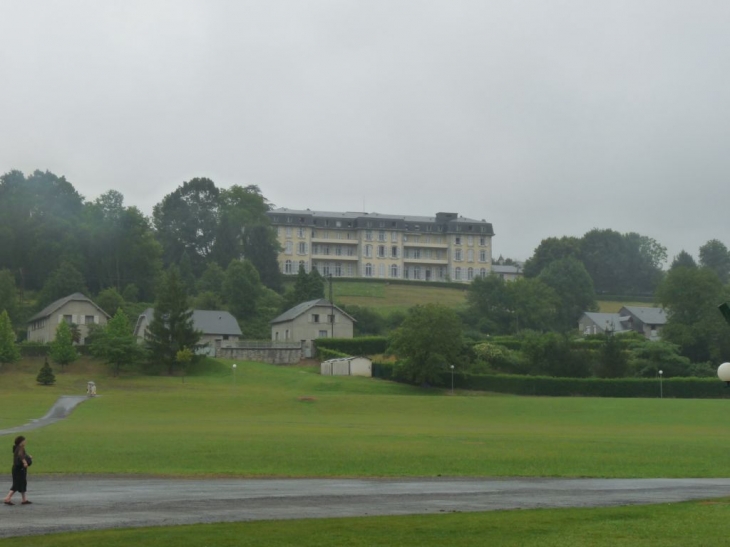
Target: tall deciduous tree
[(187, 220), (171, 328), (715, 256), (9, 352), (64, 281), (8, 294), (691, 297), (242, 289), (550, 250), (427, 343), (63, 351), (570, 280), (683, 260)]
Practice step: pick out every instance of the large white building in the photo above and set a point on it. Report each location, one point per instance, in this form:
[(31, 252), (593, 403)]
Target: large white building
[(440, 248)]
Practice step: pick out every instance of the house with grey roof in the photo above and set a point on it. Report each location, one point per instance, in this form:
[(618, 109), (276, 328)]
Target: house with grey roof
[(76, 309), (647, 321), (600, 323), (219, 329), (644, 320), (310, 320)]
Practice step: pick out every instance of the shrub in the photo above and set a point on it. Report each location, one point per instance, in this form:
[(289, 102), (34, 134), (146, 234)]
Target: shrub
[(364, 345)]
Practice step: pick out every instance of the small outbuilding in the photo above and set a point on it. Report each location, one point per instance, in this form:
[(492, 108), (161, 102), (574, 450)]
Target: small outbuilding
[(347, 366)]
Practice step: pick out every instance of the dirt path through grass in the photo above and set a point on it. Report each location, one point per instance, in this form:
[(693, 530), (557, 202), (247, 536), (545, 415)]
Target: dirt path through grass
[(86, 502)]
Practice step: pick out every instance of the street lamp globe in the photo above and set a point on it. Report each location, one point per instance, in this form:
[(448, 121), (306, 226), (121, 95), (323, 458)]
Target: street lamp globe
[(723, 372)]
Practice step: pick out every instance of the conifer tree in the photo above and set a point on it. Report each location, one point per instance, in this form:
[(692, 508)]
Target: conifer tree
[(171, 328), (45, 376)]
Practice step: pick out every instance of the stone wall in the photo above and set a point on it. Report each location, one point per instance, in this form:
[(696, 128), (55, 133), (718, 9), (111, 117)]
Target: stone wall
[(272, 355)]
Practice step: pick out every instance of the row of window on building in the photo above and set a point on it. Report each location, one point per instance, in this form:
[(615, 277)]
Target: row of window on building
[(383, 251), (431, 273), (383, 236)]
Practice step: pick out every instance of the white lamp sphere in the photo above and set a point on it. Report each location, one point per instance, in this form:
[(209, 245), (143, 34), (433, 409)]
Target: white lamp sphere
[(723, 372), (234, 366)]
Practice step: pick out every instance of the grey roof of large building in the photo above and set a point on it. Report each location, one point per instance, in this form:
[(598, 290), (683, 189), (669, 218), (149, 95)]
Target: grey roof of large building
[(402, 221), (77, 296), (209, 321), (299, 309), (647, 315)]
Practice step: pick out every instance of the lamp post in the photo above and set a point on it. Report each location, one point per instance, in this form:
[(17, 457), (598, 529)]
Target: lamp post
[(452, 379), (661, 390), (234, 374)]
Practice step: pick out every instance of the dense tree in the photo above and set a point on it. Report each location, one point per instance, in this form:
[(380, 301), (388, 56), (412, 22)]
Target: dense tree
[(549, 250), (683, 260), (64, 281), (307, 286), (489, 308), (604, 255), (612, 360), (427, 343), (39, 218), (171, 328), (116, 344), (533, 305), (574, 287), (187, 220), (9, 352), (550, 354), (9, 294), (260, 246), (242, 289), (109, 300), (212, 279), (368, 322), (715, 256), (63, 351), (648, 358), (45, 375), (691, 297)]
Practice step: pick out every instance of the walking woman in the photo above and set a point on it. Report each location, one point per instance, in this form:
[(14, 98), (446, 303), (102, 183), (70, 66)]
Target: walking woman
[(21, 462)]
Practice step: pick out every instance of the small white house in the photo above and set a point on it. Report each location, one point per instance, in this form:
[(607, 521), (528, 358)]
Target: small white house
[(347, 366)]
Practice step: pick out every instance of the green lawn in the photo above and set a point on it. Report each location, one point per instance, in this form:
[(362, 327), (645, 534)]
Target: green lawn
[(290, 421), (691, 524)]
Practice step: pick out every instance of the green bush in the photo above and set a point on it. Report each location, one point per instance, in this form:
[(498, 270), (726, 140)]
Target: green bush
[(34, 349)]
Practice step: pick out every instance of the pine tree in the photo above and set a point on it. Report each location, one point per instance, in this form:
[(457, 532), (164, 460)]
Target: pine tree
[(171, 328), (45, 376), (9, 352)]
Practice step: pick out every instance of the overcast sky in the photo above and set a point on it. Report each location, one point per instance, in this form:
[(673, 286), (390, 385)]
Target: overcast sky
[(546, 118)]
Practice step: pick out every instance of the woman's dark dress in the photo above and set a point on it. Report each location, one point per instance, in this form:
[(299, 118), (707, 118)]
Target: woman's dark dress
[(20, 474)]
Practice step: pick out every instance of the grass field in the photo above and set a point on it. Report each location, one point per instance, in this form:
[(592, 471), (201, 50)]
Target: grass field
[(289, 421), (386, 298)]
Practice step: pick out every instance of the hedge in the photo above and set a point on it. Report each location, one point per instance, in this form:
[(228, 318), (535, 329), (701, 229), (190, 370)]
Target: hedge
[(364, 345), (39, 349), (678, 388)]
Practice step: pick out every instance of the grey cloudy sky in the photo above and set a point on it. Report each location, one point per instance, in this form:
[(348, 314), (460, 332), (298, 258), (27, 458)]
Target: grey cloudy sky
[(546, 118)]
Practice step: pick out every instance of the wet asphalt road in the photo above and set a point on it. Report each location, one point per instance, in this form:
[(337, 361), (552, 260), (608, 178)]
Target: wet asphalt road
[(85, 503)]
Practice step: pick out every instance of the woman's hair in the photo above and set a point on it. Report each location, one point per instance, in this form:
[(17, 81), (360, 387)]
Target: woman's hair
[(16, 447)]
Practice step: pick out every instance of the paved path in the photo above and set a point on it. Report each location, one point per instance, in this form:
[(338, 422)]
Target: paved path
[(85, 503), (61, 408)]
